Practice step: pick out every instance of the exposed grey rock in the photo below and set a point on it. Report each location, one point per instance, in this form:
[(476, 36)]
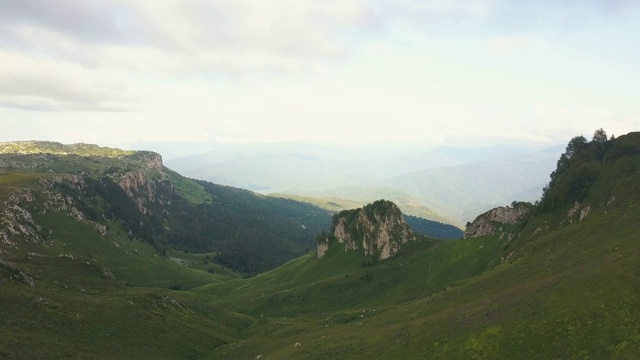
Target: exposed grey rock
[(379, 229), (103, 229), (56, 202), (17, 221), (147, 185), (323, 247), (70, 181), (19, 275), (485, 224), (19, 197), (582, 211)]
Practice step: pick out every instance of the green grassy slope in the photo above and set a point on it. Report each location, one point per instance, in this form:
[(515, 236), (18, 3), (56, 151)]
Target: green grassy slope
[(342, 280), (69, 291), (105, 297), (571, 293), (564, 288)]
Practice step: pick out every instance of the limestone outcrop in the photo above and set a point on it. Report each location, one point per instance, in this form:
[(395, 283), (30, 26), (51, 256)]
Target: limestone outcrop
[(489, 222), (379, 229)]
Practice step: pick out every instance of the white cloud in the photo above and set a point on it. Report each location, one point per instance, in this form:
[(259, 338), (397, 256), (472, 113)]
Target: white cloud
[(43, 84), (331, 70)]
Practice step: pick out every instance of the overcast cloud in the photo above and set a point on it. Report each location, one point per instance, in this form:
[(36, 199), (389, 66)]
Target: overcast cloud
[(347, 71)]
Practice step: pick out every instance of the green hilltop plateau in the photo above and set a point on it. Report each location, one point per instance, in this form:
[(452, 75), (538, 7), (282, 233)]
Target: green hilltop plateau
[(108, 254)]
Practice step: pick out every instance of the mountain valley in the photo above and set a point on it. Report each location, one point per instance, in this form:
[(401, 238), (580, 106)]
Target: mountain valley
[(106, 253)]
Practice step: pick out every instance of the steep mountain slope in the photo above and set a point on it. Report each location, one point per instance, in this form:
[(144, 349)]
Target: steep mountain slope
[(101, 186)]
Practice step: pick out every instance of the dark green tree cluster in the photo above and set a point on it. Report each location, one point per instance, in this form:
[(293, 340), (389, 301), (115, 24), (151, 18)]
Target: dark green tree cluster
[(432, 228), (579, 167), (251, 233), (382, 208)]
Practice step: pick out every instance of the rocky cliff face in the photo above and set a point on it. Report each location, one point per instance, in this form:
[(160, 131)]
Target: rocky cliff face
[(378, 228), (148, 183), (492, 221), (139, 174)]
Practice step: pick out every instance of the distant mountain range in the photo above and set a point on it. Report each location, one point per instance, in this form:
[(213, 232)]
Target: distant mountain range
[(453, 184)]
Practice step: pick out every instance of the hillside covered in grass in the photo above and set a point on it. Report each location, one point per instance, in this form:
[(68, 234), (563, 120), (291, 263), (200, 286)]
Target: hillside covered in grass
[(555, 283), (555, 279)]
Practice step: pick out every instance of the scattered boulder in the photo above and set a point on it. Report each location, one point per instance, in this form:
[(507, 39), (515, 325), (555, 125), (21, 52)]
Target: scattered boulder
[(106, 273)]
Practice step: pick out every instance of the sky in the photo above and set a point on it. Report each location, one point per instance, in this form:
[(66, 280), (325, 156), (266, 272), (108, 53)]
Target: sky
[(431, 72)]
